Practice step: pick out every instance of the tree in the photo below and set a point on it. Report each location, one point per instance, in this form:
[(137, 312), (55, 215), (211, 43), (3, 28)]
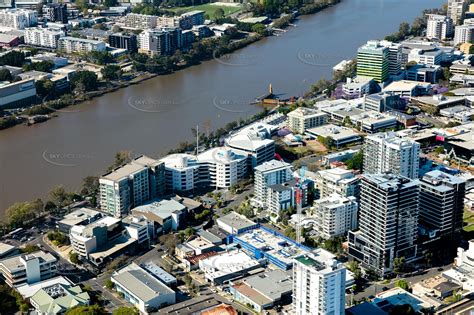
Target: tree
[(82, 4), (399, 264), (90, 185), (219, 13), (5, 75), (404, 30), (59, 196), (452, 124), (111, 72), (439, 150), (20, 213), (259, 28), (320, 86), (123, 310), (456, 297), (74, 258), (446, 73), (110, 3), (13, 58), (328, 142), (37, 206), (43, 66), (121, 158), (44, 87), (58, 238), (403, 284), (85, 79), (290, 232), (356, 162), (353, 266), (169, 241), (334, 245), (109, 284), (28, 249)]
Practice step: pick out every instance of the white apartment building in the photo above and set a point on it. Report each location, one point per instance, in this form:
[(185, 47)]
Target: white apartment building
[(131, 185), (28, 4), (28, 268), (463, 268), (18, 18), (219, 168), (86, 239), (167, 21), (439, 27), (389, 152), (43, 37), (270, 173), (140, 21), (154, 42), (456, 10), (304, 118), (79, 45), (224, 166), (181, 172), (319, 283), (255, 141), (428, 58), (334, 215), (356, 87), (337, 180), (124, 188), (463, 34)]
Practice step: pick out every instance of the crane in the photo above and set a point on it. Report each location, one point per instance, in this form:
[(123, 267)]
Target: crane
[(299, 202)]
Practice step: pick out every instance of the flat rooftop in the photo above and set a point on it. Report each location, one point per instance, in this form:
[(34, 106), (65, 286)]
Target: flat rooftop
[(273, 244), (271, 284), (112, 247), (390, 181), (158, 272), (405, 85), (320, 260), (136, 280), (163, 208), (338, 133), (13, 263), (236, 221), (227, 263), (79, 215), (5, 248), (124, 172), (272, 165)]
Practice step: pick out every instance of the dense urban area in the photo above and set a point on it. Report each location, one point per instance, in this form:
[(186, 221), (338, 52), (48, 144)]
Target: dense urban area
[(355, 198)]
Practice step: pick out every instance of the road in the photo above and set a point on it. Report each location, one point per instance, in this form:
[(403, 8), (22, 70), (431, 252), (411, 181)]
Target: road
[(111, 301)]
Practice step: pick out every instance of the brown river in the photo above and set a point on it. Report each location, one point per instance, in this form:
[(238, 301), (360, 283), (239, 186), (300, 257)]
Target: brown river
[(154, 116)]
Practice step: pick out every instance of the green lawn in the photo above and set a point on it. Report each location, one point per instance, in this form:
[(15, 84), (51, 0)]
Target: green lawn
[(208, 9), (469, 219)]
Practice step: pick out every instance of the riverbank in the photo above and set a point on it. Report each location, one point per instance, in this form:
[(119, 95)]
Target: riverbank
[(47, 110)]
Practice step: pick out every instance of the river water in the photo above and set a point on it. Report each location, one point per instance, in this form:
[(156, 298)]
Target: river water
[(154, 116)]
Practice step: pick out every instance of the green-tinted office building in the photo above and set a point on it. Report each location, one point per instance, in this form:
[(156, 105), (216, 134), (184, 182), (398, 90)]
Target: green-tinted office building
[(373, 61)]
